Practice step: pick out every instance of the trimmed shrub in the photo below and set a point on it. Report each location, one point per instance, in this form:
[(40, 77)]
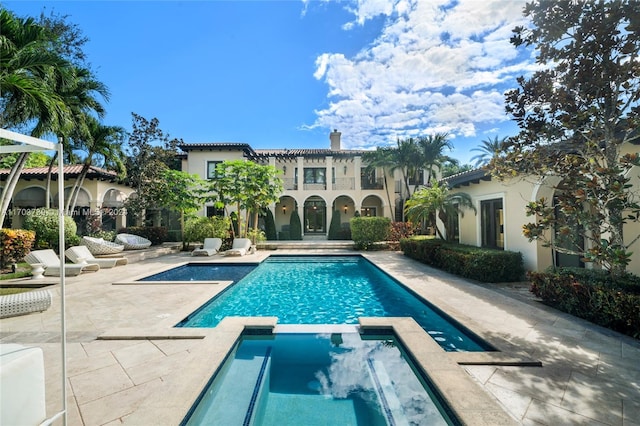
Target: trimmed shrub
[(345, 231), (334, 227), (44, 222), (593, 295), (14, 245), (156, 234), (481, 264), (366, 231), (270, 227), (295, 226), (284, 235), (199, 228)]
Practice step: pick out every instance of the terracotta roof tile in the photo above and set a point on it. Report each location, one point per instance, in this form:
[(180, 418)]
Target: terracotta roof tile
[(70, 170)]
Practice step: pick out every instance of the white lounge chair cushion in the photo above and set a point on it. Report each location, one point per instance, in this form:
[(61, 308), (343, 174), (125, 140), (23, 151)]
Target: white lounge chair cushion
[(82, 255), (209, 247), (240, 247), (132, 242), (22, 386)]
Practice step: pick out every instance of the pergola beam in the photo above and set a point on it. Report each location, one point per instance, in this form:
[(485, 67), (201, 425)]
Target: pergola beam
[(29, 140)]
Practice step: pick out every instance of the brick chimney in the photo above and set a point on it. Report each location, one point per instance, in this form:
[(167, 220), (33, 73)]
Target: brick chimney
[(335, 140)]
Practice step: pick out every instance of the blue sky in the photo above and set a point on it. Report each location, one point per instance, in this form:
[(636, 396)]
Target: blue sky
[(283, 74)]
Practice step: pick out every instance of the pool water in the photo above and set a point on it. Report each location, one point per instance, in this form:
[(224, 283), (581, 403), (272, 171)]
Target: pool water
[(204, 272), (328, 290), (318, 379)]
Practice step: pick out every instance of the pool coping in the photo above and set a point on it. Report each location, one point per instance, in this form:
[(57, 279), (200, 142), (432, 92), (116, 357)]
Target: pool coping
[(462, 395)]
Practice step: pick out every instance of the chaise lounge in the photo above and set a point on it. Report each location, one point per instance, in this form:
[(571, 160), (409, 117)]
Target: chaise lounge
[(240, 247), (51, 264), (132, 242), (98, 246), (81, 255), (209, 247)]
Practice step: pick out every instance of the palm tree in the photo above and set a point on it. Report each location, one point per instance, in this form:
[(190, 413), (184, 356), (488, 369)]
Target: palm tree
[(436, 201), (40, 86), (489, 148), (408, 159), (384, 159), (104, 142), (80, 98), (29, 73), (432, 152)]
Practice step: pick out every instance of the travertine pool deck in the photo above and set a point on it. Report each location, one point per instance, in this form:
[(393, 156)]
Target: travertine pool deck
[(126, 364)]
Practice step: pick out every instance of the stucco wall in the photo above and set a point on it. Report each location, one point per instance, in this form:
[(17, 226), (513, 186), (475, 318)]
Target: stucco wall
[(514, 195)]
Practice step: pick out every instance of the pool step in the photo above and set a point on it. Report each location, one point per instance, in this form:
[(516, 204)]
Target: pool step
[(387, 396), (242, 386)]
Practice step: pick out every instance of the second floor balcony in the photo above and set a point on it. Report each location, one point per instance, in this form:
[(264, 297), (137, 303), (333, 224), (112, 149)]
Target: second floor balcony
[(377, 183)]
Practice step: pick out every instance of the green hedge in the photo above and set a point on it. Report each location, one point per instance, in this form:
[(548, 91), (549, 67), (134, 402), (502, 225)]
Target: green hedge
[(366, 231), (481, 264), (593, 295)]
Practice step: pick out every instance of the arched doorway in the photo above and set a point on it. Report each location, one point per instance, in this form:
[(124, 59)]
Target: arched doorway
[(315, 216), (24, 202), (112, 209), (82, 209)]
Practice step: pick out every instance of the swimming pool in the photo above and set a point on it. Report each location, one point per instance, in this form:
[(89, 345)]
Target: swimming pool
[(329, 290), (318, 379)]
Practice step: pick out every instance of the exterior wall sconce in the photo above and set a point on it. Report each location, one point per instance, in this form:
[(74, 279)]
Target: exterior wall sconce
[(345, 169), (284, 209), (345, 209), (284, 170)]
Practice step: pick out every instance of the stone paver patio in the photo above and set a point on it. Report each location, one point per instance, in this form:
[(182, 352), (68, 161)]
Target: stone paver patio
[(126, 364)]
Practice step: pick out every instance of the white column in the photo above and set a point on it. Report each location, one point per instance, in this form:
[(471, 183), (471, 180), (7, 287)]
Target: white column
[(357, 165), (300, 174), (329, 175)]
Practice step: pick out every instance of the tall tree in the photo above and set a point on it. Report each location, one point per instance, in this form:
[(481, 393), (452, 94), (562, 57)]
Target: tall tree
[(150, 151), (575, 115), (382, 157), (249, 186), (408, 159), (102, 144), (433, 156), (178, 191), (43, 84), (27, 69), (488, 149)]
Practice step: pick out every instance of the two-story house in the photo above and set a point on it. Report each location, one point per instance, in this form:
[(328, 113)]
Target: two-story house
[(317, 182)]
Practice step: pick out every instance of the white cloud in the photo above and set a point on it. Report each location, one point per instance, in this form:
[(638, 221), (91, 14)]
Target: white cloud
[(437, 66)]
